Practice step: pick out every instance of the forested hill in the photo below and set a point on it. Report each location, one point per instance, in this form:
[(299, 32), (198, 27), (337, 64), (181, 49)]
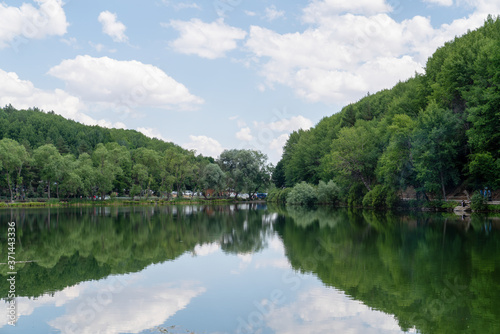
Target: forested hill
[(34, 128), (46, 155), (433, 132)]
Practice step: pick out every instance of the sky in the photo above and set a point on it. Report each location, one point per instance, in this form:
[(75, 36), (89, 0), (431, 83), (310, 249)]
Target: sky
[(218, 74)]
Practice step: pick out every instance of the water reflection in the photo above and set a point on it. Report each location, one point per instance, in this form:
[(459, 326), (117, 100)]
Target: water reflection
[(217, 268), (437, 273)]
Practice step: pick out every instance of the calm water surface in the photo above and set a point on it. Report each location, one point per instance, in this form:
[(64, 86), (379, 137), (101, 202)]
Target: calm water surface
[(250, 269)]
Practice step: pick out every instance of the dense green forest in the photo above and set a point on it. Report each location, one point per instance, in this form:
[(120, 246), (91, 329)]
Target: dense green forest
[(46, 155), (434, 133)]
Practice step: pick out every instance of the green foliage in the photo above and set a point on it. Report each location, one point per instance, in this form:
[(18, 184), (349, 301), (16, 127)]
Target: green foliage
[(355, 152), (376, 198), (62, 158), (392, 199), (435, 149), (484, 170), (328, 192), (395, 166), (213, 178), (302, 194), (245, 170), (277, 195), (12, 158), (355, 195), (477, 202)]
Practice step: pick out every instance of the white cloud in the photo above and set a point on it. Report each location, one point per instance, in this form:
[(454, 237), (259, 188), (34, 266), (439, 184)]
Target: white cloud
[(112, 27), (207, 40), (26, 306), (319, 10), (206, 249), (18, 24), (320, 310), (22, 94), (152, 133), (133, 309), (277, 145), (181, 5), (204, 145), (98, 47), (341, 56), (271, 13), (287, 125), (123, 84), (446, 3), (250, 13), (245, 134), (71, 42)]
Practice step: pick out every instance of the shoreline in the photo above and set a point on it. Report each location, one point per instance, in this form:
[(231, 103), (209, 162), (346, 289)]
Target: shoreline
[(120, 202)]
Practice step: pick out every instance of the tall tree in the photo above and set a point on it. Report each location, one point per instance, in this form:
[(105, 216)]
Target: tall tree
[(395, 167), (47, 160), (246, 170), (435, 149), (355, 152), (213, 178), (107, 160), (12, 158)]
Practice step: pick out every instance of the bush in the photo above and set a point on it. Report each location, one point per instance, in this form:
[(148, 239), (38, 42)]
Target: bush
[(278, 195), (273, 194), (478, 203), (376, 197), (328, 192), (392, 199), (355, 195), (283, 195), (368, 199), (302, 194)]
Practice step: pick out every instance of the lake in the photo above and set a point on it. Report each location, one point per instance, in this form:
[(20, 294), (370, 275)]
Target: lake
[(249, 268)]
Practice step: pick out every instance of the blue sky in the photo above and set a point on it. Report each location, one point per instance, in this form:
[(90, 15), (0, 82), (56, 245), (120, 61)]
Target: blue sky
[(218, 74)]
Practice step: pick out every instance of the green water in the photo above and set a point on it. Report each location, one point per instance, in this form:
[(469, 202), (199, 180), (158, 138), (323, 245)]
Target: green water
[(250, 269)]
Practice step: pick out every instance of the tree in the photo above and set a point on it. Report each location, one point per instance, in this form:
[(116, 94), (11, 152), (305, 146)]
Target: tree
[(12, 158), (435, 149), (484, 101), (213, 178), (355, 152), (178, 167), (107, 161), (246, 170), (395, 167), (484, 170), (278, 177), (146, 168), (142, 179), (87, 173), (47, 160)]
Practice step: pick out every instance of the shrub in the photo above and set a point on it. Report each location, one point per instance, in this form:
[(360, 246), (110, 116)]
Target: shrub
[(478, 203), (283, 195), (302, 194), (355, 195), (273, 194), (376, 197), (368, 199), (328, 192), (391, 199)]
